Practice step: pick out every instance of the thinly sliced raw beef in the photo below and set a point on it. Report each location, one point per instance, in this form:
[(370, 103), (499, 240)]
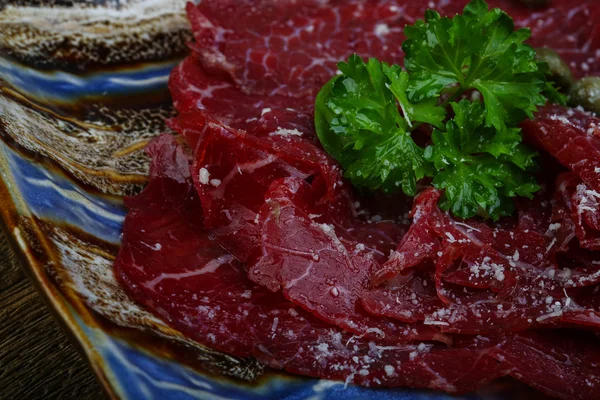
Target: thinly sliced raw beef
[(233, 169), (317, 268), (292, 48), (487, 279), (410, 296), (418, 245), (252, 243), (561, 364), (169, 263), (239, 102), (237, 176), (192, 89), (582, 210), (571, 136)]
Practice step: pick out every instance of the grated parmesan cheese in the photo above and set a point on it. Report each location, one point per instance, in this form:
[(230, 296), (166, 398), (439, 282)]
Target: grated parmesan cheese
[(381, 30), (286, 132), (203, 176)]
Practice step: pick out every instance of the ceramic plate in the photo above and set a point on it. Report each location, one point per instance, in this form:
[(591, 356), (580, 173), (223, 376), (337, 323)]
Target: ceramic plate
[(83, 88)]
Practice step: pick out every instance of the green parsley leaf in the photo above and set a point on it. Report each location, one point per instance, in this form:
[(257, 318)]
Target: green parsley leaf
[(553, 95), (476, 50), (358, 121), (551, 91), (364, 117), (480, 168), (425, 111), (392, 163)]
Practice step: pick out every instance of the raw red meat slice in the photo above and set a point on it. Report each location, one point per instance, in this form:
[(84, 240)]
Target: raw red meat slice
[(268, 196), (583, 205), (571, 136), (192, 89), (232, 171), (581, 269), (487, 279), (233, 207), (237, 205), (317, 268), (213, 23), (560, 364), (410, 296), (418, 245), (292, 48), (172, 266), (197, 287)]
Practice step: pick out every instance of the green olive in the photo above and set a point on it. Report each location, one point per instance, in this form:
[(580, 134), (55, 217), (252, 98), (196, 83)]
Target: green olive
[(586, 93), (559, 70), (535, 3)]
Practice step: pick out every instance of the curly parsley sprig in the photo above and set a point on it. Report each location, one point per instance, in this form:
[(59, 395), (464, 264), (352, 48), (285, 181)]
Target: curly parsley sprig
[(364, 117)]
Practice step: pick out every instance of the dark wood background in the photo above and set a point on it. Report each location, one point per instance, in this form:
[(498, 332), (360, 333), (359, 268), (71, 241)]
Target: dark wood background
[(37, 361)]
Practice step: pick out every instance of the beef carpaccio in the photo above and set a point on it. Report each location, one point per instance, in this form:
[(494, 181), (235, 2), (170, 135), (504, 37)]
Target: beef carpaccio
[(249, 240)]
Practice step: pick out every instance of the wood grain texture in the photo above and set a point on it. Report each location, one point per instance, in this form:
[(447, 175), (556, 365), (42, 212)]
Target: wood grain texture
[(37, 361)]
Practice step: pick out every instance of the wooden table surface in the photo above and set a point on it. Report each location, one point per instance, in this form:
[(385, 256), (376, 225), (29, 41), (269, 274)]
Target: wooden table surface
[(37, 361)]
